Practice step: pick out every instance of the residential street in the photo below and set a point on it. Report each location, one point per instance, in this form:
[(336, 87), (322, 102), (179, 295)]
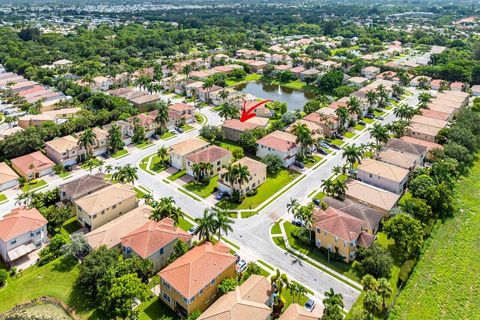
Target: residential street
[(251, 234)]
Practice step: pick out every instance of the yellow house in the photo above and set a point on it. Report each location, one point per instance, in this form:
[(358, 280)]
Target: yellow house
[(190, 282), (102, 206), (340, 232), (258, 175)]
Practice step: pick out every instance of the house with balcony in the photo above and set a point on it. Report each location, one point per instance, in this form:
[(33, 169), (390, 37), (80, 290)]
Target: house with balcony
[(281, 144), (64, 150)]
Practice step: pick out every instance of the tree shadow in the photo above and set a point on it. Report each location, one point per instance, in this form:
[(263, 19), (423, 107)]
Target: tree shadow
[(65, 264)]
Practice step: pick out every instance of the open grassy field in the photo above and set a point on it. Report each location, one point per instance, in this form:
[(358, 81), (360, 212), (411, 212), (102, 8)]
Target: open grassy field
[(445, 283)]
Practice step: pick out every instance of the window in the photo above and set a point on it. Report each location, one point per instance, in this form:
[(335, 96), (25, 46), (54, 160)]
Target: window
[(166, 298), (114, 206), (13, 242), (161, 251), (336, 239), (94, 216), (212, 282), (31, 234), (201, 292), (38, 232), (166, 284), (371, 175)]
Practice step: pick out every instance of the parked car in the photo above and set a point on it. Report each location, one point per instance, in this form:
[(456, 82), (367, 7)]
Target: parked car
[(324, 144), (309, 305), (297, 222), (369, 116), (338, 136), (221, 195), (316, 202), (362, 123), (68, 168), (241, 266), (173, 132), (192, 230), (299, 164), (321, 151), (179, 130), (380, 118), (236, 255), (155, 136)]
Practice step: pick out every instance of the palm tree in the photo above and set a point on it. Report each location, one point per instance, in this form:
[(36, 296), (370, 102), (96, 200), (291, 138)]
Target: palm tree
[(297, 290), (115, 142), (353, 154), (162, 154), (339, 188), (91, 163), (327, 186), (379, 133), (292, 206), (197, 171), (333, 303), (228, 111), (86, 140), (343, 117), (24, 199), (223, 222), (243, 175), (224, 94), (371, 96), (206, 225), (148, 198), (398, 127), (207, 85), (397, 90), (194, 94), (166, 208), (125, 174), (304, 137), (353, 106), (162, 116), (384, 290), (404, 112), (279, 281)]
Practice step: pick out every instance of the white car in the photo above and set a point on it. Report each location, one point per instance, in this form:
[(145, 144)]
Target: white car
[(241, 266), (309, 305)]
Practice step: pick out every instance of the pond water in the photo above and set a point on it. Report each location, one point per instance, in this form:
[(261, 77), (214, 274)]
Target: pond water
[(39, 311), (295, 99)]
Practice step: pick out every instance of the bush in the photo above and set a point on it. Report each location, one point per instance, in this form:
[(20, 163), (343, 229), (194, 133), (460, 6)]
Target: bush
[(406, 270), (53, 250), (252, 193), (3, 277)]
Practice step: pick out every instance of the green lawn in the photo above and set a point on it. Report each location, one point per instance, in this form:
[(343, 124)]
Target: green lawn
[(200, 118), (228, 145), (445, 282), (359, 127), (310, 162), (319, 195), (202, 190), (265, 191), (378, 113), (187, 128), (276, 228), (155, 309), (184, 224), (349, 134), (312, 252), (140, 192), (295, 84), (155, 164), (3, 197), (70, 226), (120, 153), (167, 135), (64, 174), (34, 184), (337, 142), (145, 144), (367, 120), (177, 175), (249, 77), (56, 279)]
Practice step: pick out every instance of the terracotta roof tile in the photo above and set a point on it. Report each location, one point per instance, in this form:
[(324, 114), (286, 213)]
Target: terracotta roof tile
[(20, 221)]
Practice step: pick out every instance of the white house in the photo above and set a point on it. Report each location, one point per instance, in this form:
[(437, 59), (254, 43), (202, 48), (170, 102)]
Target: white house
[(278, 143)]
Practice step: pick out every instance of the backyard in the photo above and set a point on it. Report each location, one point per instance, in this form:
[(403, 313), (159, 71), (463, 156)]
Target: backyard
[(445, 282), (34, 184), (265, 191)]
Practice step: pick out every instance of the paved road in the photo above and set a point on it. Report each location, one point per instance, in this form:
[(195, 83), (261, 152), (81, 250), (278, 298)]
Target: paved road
[(251, 234)]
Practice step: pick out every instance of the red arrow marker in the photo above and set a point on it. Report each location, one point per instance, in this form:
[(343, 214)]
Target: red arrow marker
[(248, 114)]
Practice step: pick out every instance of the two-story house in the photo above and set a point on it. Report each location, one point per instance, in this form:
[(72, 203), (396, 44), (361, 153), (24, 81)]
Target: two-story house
[(81, 187), (155, 241), (179, 151), (215, 156), (190, 283), (104, 205), (181, 113), (383, 175), (21, 232), (64, 150), (281, 144), (100, 144), (257, 176)]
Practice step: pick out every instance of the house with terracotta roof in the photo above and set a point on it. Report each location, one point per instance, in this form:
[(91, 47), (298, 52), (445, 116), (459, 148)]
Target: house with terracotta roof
[(297, 312), (421, 119), (383, 175), (233, 128), (190, 283), (111, 233), (8, 177), (155, 241), (357, 81), (147, 121), (438, 115), (457, 86), (214, 155), (281, 144), (423, 131), (181, 113), (251, 300), (21, 232), (105, 205), (373, 197), (258, 175), (125, 127), (64, 150), (82, 186), (341, 233), (370, 72), (328, 123), (179, 151), (100, 144), (33, 165)]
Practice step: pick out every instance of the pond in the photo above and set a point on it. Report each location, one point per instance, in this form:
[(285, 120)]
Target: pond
[(295, 99), (38, 311)]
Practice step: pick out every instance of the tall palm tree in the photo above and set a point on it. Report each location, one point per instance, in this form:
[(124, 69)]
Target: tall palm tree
[(343, 117), (279, 281), (353, 154), (371, 96), (304, 137), (292, 206), (327, 186), (384, 290), (243, 175), (166, 208), (228, 111), (353, 106), (379, 133), (197, 171), (333, 299), (223, 222), (339, 189), (162, 116), (86, 140), (162, 154), (297, 290), (404, 112), (397, 91), (114, 137), (206, 225), (207, 85)]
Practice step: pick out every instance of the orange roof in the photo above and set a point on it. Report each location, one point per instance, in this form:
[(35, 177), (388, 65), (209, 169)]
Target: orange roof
[(180, 107), (209, 155), (6, 173), (339, 224), (20, 221), (435, 114), (430, 145), (279, 140), (39, 161), (153, 236), (198, 267), (238, 125)]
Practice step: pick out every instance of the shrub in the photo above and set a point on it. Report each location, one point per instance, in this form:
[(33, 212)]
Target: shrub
[(3, 277), (406, 270)]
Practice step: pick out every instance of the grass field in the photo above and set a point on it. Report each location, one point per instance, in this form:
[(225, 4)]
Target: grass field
[(34, 184), (201, 190), (167, 135), (295, 84), (250, 77), (177, 175), (265, 191), (445, 282)]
